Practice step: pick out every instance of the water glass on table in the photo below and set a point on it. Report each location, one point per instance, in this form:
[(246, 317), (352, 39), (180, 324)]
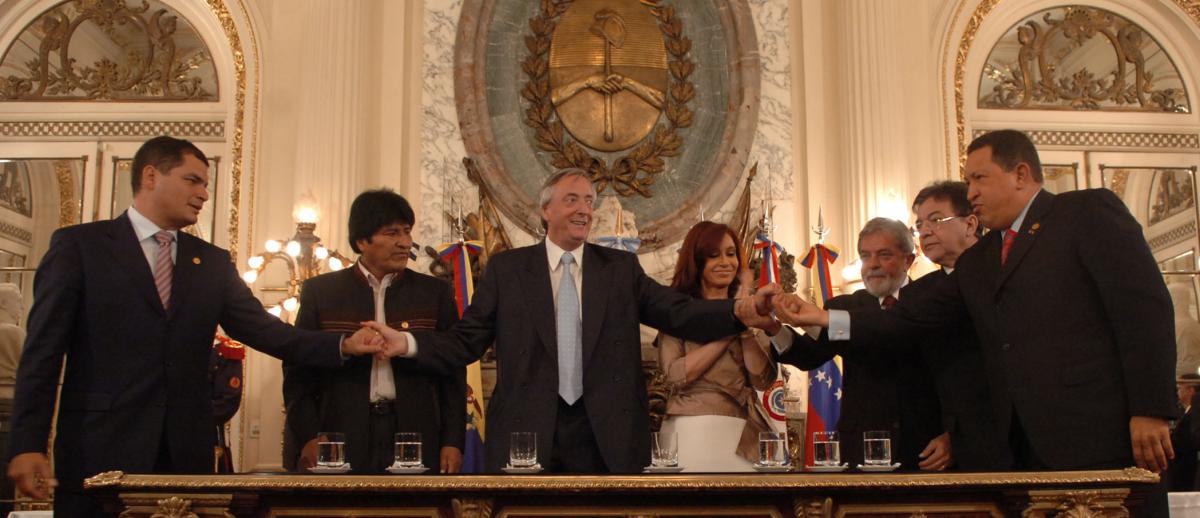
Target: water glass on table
[(522, 449), (664, 449), (772, 449), (408, 450), (877, 448), (331, 449), (826, 449)]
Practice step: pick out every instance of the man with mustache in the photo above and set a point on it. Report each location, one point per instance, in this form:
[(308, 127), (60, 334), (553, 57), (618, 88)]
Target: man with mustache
[(1070, 309), (372, 399), (883, 389)]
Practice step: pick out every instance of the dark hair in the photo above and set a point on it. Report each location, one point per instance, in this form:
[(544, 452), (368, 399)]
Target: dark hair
[(1009, 149), (375, 209), (702, 240), (164, 153), (948, 191)]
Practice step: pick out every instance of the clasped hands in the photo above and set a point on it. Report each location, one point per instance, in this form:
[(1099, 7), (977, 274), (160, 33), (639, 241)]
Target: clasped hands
[(769, 306), (377, 339)]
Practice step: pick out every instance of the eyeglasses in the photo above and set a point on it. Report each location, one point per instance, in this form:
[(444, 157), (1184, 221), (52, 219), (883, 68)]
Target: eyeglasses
[(933, 224)]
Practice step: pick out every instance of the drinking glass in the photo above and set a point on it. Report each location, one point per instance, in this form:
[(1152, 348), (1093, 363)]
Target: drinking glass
[(826, 449), (331, 449), (408, 450), (772, 449), (664, 450), (877, 448), (522, 449)]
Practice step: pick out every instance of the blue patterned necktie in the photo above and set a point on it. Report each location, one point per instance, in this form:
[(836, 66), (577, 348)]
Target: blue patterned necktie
[(570, 354)]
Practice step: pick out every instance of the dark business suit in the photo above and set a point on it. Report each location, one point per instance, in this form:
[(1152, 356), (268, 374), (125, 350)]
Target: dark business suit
[(1076, 329), (136, 375), (954, 357), (1181, 475), (883, 388), (513, 306), (338, 399)]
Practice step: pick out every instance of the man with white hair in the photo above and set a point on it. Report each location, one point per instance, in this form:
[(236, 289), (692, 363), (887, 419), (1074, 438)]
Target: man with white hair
[(889, 390)]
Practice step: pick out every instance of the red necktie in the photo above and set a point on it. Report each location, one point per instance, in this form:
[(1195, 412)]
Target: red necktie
[(888, 302), (1010, 235)]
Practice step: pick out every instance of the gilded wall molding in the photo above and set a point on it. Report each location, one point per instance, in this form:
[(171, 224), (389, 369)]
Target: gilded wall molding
[(1099, 503), (194, 130), (1181, 233), (69, 208), (1110, 139)]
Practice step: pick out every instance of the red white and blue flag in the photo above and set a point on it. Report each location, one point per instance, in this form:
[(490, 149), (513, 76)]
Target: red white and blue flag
[(824, 382)]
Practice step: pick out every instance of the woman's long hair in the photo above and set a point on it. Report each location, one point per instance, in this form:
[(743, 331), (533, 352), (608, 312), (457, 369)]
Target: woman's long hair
[(703, 240)]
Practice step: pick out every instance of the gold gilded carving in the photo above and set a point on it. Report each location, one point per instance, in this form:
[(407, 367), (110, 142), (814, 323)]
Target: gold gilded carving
[(108, 478), (1051, 67), (1100, 503), (149, 505), (960, 61), (601, 73), (68, 207), (956, 510), (472, 507), (152, 59), (174, 507), (814, 508)]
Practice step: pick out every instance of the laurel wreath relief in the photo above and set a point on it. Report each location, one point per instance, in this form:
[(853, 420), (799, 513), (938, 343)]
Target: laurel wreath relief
[(635, 172)]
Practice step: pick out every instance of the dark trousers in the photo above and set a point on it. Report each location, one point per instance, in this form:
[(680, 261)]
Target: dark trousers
[(382, 439), (574, 449)]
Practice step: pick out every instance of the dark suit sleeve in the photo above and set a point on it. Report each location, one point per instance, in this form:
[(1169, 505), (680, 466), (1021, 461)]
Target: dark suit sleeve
[(805, 353), (245, 320), (680, 315), (911, 319), (57, 296), (448, 352), (452, 391), (302, 383), (1131, 289)]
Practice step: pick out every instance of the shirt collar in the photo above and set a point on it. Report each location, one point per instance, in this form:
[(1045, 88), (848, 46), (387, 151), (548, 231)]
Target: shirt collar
[(554, 255), (1016, 225), (143, 228), (382, 283), (948, 270)]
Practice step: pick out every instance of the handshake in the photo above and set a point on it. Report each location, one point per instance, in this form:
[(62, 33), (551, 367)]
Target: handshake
[(377, 339), (769, 306)]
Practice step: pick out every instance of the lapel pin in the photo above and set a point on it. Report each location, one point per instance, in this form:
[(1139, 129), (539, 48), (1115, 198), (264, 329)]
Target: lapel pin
[(404, 325), (1034, 228), (195, 260)]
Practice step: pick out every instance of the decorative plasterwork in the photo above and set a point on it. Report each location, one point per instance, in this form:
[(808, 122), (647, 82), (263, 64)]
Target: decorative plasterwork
[(17, 233), (1110, 139), (90, 129), (1178, 234)]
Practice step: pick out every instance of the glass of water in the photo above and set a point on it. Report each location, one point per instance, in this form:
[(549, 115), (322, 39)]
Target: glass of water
[(664, 450), (877, 448), (408, 450), (772, 449), (331, 449), (522, 449), (826, 449)]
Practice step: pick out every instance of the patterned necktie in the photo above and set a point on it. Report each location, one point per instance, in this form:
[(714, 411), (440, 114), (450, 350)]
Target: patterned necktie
[(888, 302), (164, 267), (1010, 235), (570, 354)]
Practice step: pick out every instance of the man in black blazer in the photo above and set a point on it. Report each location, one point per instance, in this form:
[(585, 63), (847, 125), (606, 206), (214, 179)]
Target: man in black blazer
[(1071, 312), (370, 399), (1185, 437), (567, 341), (883, 389), (136, 394)]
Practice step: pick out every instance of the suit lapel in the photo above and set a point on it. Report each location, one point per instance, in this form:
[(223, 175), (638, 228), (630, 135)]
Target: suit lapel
[(187, 256), (541, 299), (595, 278), (132, 260), (1025, 238)]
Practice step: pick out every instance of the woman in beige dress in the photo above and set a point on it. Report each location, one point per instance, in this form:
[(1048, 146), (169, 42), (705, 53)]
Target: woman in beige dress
[(712, 407)]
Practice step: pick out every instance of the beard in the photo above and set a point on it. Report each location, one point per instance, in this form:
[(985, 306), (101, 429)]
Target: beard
[(882, 285)]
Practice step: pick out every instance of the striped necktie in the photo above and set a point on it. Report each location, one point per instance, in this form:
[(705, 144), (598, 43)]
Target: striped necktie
[(164, 267)]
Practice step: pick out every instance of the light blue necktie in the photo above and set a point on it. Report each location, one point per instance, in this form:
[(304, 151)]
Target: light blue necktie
[(570, 354)]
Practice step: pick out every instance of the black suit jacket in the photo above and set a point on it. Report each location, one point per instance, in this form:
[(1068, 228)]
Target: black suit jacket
[(513, 307), (1181, 473), (338, 399), (1076, 328), (135, 374), (885, 388)]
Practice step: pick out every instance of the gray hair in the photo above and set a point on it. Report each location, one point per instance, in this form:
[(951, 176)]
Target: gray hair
[(896, 230), (558, 176)]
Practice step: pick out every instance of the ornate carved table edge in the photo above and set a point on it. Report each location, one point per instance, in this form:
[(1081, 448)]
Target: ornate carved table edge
[(633, 483)]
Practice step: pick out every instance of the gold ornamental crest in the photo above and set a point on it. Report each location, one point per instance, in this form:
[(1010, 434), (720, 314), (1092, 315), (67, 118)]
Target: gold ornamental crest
[(601, 76)]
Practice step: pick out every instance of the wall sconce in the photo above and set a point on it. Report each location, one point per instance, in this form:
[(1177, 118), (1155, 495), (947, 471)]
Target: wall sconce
[(303, 254)]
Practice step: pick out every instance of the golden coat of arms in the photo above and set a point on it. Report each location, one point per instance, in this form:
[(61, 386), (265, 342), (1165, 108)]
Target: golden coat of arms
[(601, 75)]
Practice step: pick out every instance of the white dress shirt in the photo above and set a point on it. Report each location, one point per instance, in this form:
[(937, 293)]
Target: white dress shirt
[(145, 229), (383, 381)]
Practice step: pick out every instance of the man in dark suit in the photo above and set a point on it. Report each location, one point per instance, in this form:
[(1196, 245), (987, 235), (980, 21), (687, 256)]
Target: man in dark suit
[(132, 304), (947, 228), (564, 319), (1185, 437), (1071, 312), (886, 389), (370, 399)]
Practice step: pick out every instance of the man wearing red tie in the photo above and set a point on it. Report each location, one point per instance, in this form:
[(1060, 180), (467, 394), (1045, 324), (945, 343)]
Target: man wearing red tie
[(1072, 315)]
